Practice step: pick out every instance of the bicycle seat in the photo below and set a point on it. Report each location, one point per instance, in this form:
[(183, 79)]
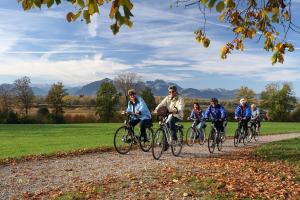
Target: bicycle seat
[(179, 125)]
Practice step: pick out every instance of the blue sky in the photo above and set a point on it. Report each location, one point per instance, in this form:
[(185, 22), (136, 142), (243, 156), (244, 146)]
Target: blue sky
[(161, 45)]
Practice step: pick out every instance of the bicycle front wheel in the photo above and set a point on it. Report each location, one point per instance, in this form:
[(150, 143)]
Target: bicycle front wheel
[(147, 144), (202, 136), (190, 136), (158, 143), (256, 135), (236, 139), (123, 140), (176, 146), (219, 142), (211, 141)]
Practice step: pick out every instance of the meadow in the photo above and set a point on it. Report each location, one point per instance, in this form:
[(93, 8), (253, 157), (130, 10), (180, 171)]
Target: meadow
[(17, 140)]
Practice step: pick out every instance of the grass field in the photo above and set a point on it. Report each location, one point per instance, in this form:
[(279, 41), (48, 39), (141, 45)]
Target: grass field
[(286, 150), (22, 140)]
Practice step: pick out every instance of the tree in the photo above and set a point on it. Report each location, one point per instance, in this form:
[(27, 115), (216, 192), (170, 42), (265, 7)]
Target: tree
[(149, 98), (55, 97), (5, 97), (126, 81), (107, 101), (24, 93), (270, 18), (247, 93), (279, 100)]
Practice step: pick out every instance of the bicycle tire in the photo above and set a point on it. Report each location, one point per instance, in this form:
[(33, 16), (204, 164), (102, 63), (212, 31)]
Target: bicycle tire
[(146, 146), (236, 138), (126, 137), (178, 144), (202, 140), (158, 143), (219, 142), (190, 136), (211, 141)]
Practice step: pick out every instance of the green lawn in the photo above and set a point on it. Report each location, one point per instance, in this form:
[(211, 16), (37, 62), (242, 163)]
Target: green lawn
[(286, 150), (20, 140)]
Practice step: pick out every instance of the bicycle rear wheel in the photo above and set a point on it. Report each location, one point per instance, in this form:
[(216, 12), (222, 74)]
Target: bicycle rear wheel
[(190, 136), (211, 141), (176, 146), (123, 140), (147, 144), (158, 143)]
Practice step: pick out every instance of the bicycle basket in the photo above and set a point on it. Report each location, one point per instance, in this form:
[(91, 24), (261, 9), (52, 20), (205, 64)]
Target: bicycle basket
[(162, 112)]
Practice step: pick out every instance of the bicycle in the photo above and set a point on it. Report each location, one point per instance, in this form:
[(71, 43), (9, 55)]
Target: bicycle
[(241, 134), (193, 132), (254, 129), (162, 139), (125, 137), (215, 137)]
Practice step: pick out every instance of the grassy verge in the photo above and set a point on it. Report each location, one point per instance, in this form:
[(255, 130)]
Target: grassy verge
[(23, 140), (286, 150)]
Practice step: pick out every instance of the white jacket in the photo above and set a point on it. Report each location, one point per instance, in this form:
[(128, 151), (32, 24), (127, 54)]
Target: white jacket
[(173, 104)]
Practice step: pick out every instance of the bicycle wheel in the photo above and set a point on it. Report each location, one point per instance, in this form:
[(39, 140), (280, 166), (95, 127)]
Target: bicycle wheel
[(176, 147), (158, 143), (146, 145), (244, 136), (219, 142), (249, 135), (202, 136), (211, 141), (190, 136), (123, 140), (236, 138), (256, 135)]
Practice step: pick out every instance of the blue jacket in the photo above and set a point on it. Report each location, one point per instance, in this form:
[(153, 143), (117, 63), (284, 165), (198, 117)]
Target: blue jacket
[(141, 106), (239, 112), (194, 116), (217, 112)]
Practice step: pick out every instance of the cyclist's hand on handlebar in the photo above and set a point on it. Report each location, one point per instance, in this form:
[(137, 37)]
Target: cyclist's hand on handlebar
[(123, 112), (188, 118)]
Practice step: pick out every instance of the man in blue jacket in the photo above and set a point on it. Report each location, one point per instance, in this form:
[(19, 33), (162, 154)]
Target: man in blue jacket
[(243, 112), (137, 106), (217, 113)]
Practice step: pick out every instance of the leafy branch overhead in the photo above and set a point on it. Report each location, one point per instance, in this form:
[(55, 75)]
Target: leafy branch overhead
[(120, 10), (249, 19)]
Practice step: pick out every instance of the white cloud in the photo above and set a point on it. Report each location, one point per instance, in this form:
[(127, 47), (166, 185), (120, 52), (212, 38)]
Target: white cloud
[(69, 71)]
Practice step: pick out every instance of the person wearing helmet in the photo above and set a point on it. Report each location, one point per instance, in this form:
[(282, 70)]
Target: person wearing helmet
[(243, 112), (137, 106), (255, 116), (217, 113), (175, 105)]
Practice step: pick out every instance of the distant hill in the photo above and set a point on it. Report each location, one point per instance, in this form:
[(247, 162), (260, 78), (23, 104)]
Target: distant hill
[(91, 88), (158, 87)]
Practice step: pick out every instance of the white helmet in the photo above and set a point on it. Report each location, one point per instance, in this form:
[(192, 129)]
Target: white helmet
[(242, 101)]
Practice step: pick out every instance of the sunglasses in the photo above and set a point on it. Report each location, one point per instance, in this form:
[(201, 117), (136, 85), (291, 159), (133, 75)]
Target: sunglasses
[(171, 91)]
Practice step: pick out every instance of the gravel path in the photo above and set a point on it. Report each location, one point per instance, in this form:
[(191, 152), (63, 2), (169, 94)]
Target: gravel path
[(65, 173)]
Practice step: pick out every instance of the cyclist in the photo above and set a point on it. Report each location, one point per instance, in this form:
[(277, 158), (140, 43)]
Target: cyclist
[(255, 116), (243, 112), (175, 105), (216, 112), (137, 106), (197, 115)]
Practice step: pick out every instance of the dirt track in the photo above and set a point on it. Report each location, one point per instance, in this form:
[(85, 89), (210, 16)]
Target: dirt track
[(65, 173)]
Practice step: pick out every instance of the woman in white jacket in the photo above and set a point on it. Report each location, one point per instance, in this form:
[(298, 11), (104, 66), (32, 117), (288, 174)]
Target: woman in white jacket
[(175, 105)]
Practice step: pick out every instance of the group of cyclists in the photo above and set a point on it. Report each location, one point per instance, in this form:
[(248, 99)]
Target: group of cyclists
[(173, 106)]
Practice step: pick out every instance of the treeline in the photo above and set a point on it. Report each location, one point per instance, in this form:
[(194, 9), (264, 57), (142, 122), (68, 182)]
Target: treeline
[(277, 102)]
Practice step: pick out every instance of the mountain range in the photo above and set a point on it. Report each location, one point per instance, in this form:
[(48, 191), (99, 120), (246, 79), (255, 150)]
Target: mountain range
[(158, 87)]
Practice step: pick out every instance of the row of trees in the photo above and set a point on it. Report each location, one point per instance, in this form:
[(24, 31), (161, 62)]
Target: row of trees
[(278, 100), (21, 97)]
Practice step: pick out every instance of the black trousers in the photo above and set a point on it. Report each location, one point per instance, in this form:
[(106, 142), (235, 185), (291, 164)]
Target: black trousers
[(145, 123)]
